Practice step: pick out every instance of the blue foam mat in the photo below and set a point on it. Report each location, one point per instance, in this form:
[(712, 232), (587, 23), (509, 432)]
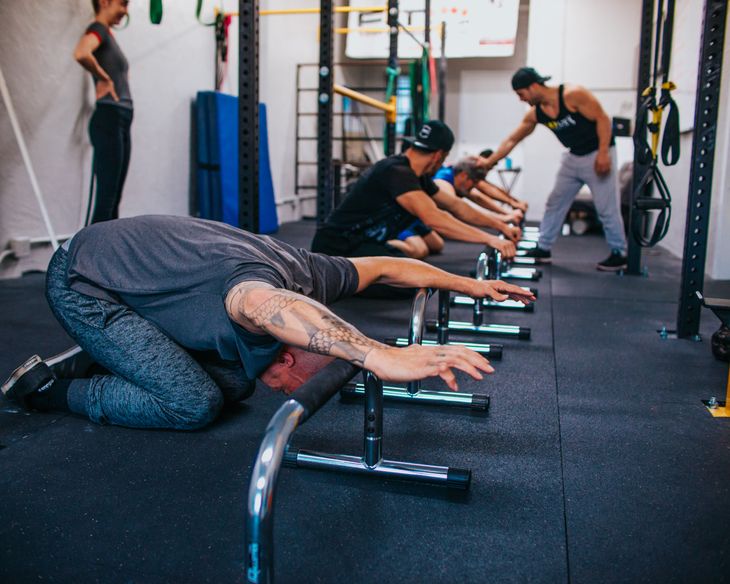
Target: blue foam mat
[(217, 153)]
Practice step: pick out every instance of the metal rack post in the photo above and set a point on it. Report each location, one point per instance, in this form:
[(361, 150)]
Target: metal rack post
[(700, 179), (248, 115)]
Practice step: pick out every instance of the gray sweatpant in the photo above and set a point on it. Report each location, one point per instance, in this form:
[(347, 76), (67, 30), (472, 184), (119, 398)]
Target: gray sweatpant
[(575, 171), (154, 382)]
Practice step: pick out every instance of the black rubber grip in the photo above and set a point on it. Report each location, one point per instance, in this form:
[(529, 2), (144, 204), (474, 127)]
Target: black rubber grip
[(529, 307), (431, 326), (317, 391), (458, 478), (534, 291), (537, 275), (290, 457), (524, 334), (495, 352), (480, 401)]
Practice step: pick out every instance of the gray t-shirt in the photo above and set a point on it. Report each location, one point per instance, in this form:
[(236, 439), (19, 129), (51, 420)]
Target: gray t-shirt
[(176, 272), (113, 61)]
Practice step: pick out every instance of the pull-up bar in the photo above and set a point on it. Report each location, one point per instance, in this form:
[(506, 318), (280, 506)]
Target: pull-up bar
[(283, 11), (374, 29), (387, 107)]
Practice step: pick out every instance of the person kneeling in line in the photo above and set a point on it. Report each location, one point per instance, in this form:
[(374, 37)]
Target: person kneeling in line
[(455, 184), (391, 195), (184, 314), (485, 194)]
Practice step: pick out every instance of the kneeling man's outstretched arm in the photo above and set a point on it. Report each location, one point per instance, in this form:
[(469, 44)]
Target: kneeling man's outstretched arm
[(298, 320)]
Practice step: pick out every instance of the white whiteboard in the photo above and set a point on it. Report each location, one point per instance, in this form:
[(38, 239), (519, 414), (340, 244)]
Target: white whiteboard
[(474, 28)]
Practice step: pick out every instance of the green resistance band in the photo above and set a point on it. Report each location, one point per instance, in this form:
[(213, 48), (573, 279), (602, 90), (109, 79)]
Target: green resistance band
[(156, 11)]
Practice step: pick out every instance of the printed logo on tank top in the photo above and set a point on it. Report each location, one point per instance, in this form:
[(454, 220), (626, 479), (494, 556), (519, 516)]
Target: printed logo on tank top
[(561, 124)]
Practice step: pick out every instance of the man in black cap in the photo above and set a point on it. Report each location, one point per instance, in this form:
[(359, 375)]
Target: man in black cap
[(392, 195), (576, 117)]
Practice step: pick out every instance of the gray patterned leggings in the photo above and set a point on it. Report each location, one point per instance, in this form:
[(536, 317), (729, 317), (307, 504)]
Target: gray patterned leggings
[(155, 383)]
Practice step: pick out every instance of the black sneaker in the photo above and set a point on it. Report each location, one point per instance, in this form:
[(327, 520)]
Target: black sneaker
[(74, 363), (613, 263), (543, 256), (32, 376)]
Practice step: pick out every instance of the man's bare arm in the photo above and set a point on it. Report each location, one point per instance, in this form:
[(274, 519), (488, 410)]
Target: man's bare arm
[(418, 203), (526, 127), (296, 320), (409, 273), (447, 199), (302, 322)]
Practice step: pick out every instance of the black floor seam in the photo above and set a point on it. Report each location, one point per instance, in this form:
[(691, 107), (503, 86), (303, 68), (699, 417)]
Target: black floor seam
[(560, 433)]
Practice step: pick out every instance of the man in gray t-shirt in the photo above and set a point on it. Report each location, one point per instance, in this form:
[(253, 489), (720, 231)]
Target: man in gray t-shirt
[(185, 314)]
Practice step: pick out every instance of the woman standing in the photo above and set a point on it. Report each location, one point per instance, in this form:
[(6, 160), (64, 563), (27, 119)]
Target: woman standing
[(109, 129)]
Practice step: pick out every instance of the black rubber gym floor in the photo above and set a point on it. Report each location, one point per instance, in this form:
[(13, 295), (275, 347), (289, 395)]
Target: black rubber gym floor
[(596, 463)]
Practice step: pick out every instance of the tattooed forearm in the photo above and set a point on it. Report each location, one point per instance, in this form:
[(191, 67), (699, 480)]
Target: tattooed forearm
[(354, 344), (269, 312), (300, 321)]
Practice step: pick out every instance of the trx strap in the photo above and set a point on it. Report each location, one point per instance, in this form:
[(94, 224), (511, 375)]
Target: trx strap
[(649, 121)]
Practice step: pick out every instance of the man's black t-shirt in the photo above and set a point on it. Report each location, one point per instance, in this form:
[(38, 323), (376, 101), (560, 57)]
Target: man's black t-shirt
[(371, 211)]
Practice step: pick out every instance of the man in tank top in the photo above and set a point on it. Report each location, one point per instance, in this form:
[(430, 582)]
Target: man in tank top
[(577, 119)]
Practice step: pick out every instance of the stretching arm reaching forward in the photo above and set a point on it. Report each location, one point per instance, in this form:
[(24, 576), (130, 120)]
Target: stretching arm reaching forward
[(299, 321)]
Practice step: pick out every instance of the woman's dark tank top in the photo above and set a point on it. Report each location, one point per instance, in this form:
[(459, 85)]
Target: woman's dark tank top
[(572, 129)]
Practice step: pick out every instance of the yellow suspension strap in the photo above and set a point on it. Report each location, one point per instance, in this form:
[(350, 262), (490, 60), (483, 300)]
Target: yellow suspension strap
[(649, 120)]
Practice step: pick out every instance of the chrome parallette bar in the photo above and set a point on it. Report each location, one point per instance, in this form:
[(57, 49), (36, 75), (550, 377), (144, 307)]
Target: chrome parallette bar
[(489, 264), (482, 270), (513, 273), (372, 463), (413, 392), (261, 491), (415, 329), (439, 398), (500, 330), (491, 350), (526, 244), (423, 473), (441, 326), (493, 304), (500, 268)]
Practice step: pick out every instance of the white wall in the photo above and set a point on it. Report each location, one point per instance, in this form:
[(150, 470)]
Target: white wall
[(718, 258), (53, 99)]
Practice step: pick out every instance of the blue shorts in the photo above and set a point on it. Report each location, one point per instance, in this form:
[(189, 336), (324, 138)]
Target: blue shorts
[(418, 227)]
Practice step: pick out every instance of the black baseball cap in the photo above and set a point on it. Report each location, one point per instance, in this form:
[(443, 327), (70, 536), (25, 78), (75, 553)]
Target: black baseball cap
[(525, 77), (434, 135)]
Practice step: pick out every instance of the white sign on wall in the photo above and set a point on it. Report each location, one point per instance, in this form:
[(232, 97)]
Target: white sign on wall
[(474, 28)]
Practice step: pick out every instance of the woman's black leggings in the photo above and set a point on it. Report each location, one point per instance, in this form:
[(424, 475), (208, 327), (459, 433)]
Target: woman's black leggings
[(109, 130)]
